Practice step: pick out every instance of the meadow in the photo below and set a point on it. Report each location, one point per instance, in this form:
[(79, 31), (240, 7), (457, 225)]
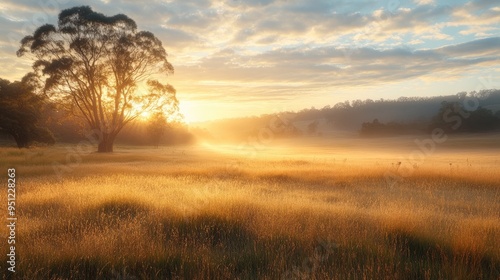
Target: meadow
[(320, 209)]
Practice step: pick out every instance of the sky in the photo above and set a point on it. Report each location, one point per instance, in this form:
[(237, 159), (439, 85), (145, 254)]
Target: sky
[(238, 58)]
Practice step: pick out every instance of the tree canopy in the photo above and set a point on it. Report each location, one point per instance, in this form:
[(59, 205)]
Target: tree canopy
[(453, 117), (20, 111), (102, 68)]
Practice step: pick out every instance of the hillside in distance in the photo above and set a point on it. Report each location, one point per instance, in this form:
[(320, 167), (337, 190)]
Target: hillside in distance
[(415, 113)]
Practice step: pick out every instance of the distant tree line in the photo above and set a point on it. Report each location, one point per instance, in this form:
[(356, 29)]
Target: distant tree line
[(376, 128), (405, 115), (452, 117)]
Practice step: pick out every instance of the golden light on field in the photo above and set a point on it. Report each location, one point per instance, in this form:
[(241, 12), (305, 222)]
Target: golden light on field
[(263, 212)]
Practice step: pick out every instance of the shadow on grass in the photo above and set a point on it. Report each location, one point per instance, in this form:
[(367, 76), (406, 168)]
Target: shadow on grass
[(112, 212), (424, 258), (75, 225)]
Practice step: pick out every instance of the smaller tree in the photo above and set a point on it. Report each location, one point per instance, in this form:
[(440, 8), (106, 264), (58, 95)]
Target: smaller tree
[(21, 110), (157, 127)]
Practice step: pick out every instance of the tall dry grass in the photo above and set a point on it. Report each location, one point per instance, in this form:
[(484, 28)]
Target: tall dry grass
[(195, 213)]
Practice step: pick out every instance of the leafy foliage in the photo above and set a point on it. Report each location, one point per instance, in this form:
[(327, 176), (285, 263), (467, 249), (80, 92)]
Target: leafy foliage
[(20, 111), (453, 117), (97, 66)]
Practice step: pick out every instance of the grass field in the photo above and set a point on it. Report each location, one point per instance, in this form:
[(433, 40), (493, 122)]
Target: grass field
[(321, 210)]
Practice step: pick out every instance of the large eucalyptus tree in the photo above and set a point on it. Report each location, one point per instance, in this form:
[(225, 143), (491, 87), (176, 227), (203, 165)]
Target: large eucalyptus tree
[(102, 68)]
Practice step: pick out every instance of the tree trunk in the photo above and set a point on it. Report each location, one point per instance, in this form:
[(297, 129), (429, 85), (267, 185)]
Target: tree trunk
[(106, 144), (20, 141)]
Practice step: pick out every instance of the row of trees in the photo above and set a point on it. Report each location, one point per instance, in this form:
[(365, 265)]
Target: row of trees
[(349, 115), (452, 117), (377, 128), (94, 66), (390, 117)]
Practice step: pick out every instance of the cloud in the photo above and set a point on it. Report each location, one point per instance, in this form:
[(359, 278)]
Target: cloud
[(479, 48), (424, 2), (482, 4), (287, 71)]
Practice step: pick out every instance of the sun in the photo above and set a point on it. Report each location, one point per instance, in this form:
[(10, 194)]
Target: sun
[(138, 110), (190, 111), (145, 115), (181, 116)]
